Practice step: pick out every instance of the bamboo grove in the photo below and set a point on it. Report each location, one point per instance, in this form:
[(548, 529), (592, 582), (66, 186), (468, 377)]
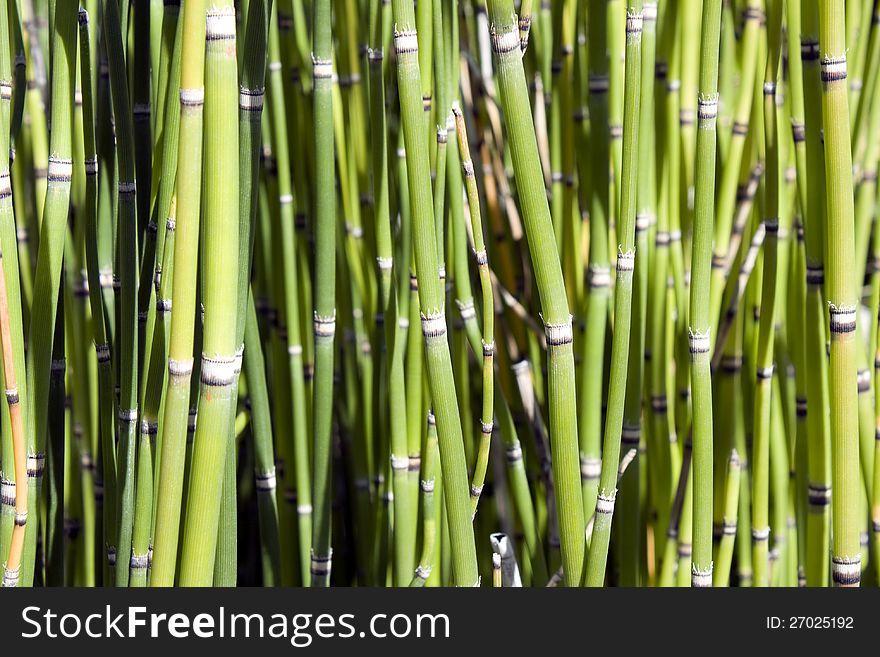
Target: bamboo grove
[(440, 293)]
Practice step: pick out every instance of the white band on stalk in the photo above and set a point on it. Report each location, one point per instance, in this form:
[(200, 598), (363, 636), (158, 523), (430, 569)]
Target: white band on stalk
[(644, 221), (630, 435), (294, 350), (600, 276), (699, 341), (405, 42), (815, 275), (111, 555), (21, 518), (126, 187), (809, 49), (149, 427), (138, 561), (626, 260), (558, 334), (192, 97), (467, 309), (35, 464), (220, 24), (324, 327), (180, 367), (7, 492), (843, 318), (833, 69), (321, 563), (591, 467), (605, 503), (266, 481), (434, 326), (701, 578), (5, 185), (514, 453), (303, 509), (427, 485), (60, 170), (818, 494), (5, 90), (633, 23), (102, 351), (250, 100), (218, 370), (10, 577), (761, 534), (128, 415), (707, 111), (91, 166), (105, 276), (505, 42), (649, 11), (322, 69), (598, 84), (385, 264), (486, 427), (141, 111), (846, 571), (399, 462)]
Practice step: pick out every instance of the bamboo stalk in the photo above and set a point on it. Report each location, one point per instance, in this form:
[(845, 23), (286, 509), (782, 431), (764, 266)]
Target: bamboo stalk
[(551, 286), (700, 321), (598, 555), (183, 313), (325, 293), (46, 283), (431, 304), (845, 546), (221, 357)]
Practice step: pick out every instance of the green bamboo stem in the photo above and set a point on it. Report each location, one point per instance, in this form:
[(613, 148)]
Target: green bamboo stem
[(700, 321), (298, 475), (14, 447), (221, 357), (105, 428), (818, 424), (46, 284), (488, 310), (622, 302), (431, 304), (845, 547), (126, 243), (325, 293), (183, 313), (429, 507), (551, 286), (731, 502), (725, 207), (590, 383), (13, 560)]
